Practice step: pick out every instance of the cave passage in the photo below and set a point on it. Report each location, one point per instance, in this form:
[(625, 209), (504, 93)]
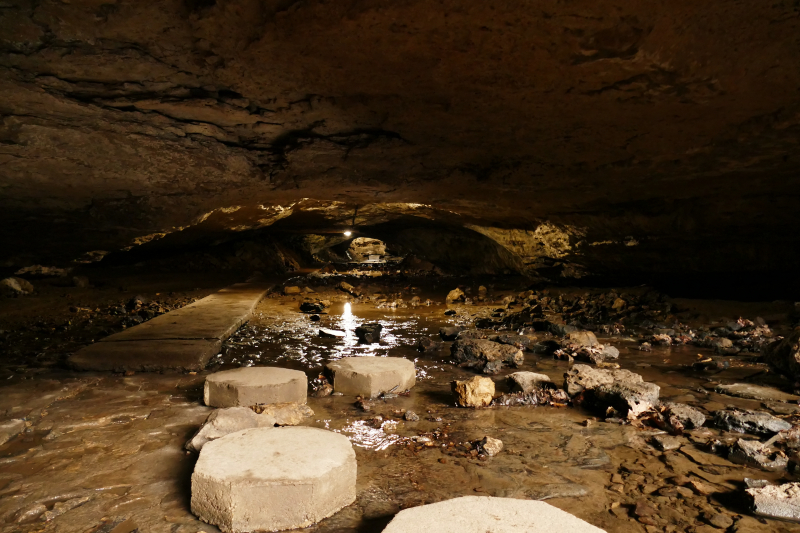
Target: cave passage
[(365, 266)]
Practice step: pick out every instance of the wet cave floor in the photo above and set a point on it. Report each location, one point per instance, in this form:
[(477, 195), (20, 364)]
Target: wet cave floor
[(104, 448)]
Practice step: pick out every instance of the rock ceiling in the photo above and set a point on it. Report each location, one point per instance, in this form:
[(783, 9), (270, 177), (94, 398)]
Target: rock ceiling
[(672, 124)]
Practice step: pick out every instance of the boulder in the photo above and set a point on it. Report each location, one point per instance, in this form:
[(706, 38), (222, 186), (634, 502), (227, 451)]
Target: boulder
[(621, 390), (753, 422), (255, 385), (776, 501), (288, 291), (527, 382), (784, 355), (369, 333), (584, 377), (482, 514), (222, 422), (273, 479), (485, 355), (456, 295), (474, 392), (369, 376)]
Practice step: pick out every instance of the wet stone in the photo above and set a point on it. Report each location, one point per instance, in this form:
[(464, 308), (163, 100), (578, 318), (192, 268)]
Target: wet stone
[(784, 355), (666, 443), (479, 514), (291, 290), (754, 453), (776, 501), (411, 416), (556, 490), (369, 333), (756, 392), (527, 382), (449, 333), (584, 377), (485, 355), (456, 295), (273, 479), (428, 345), (754, 422), (490, 446), (10, 429), (475, 392), (370, 376), (255, 385), (311, 307), (682, 416), (631, 399)]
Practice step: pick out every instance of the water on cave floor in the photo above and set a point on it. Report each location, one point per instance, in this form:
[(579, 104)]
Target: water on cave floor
[(103, 448)]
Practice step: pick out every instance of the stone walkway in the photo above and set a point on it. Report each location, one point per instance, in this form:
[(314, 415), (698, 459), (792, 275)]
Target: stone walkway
[(182, 339)]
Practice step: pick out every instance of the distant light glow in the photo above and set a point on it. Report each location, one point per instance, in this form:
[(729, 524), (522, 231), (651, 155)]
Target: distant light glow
[(348, 233)]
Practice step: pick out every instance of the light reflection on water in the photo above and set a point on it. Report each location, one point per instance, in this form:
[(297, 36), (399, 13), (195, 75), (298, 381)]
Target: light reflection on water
[(364, 435), (294, 340)]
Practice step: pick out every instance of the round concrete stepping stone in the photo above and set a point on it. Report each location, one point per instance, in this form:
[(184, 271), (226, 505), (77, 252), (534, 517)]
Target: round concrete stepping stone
[(479, 514), (255, 385), (271, 479), (370, 376)]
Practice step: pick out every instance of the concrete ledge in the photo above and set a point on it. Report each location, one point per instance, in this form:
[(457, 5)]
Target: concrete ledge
[(146, 356), (184, 339)]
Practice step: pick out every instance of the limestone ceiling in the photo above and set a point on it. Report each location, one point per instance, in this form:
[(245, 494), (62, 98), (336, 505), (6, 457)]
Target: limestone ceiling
[(673, 122)]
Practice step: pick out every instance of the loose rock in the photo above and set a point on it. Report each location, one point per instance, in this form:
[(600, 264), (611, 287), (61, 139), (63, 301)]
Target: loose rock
[(776, 501), (475, 392), (757, 392), (456, 295), (10, 429), (754, 422), (485, 355), (490, 446), (16, 286), (527, 382), (369, 333), (784, 355)]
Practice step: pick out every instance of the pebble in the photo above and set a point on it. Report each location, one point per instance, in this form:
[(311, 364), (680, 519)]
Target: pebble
[(411, 416)]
